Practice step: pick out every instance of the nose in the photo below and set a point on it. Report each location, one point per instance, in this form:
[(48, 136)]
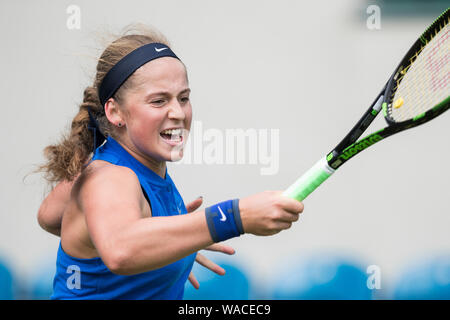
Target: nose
[(176, 110)]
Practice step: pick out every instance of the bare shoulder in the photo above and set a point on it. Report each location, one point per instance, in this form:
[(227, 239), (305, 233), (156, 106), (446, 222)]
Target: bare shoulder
[(104, 198), (102, 180)]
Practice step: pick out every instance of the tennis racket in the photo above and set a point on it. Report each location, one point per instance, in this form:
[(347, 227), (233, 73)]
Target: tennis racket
[(417, 92)]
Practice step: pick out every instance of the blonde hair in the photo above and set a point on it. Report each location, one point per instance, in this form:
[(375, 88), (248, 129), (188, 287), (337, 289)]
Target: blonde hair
[(65, 160)]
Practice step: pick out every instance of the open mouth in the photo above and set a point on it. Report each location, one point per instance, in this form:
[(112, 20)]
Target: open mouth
[(172, 136)]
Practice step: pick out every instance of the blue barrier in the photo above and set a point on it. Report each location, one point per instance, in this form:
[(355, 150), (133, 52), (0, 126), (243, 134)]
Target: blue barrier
[(234, 285), (41, 284), (425, 279), (6, 282), (321, 277)]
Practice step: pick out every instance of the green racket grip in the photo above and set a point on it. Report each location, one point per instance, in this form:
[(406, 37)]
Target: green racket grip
[(309, 181)]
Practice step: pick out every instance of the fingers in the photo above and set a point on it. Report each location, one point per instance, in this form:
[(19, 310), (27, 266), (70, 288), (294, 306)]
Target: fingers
[(284, 225), (193, 280), (288, 211), (194, 205), (209, 264), (291, 205), (288, 204), (289, 217), (205, 262), (221, 248)]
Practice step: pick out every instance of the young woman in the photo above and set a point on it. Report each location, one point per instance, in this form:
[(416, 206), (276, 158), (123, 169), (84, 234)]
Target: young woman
[(125, 230)]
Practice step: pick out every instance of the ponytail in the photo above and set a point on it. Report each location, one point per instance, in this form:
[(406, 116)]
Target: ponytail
[(66, 159)]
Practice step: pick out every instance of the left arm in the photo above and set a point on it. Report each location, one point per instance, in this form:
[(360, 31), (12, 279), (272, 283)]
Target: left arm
[(52, 208)]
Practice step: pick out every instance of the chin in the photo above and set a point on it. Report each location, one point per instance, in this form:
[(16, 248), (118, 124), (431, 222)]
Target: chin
[(175, 155), (173, 151)]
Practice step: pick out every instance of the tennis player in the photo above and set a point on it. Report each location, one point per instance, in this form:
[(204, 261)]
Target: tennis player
[(125, 230)]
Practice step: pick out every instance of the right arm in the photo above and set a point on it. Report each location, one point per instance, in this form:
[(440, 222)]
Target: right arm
[(112, 201)]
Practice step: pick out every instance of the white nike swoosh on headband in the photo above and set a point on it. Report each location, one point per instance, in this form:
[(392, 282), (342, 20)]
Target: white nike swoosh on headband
[(160, 49), (224, 217)]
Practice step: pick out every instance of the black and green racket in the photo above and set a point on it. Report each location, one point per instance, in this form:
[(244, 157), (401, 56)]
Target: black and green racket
[(417, 92)]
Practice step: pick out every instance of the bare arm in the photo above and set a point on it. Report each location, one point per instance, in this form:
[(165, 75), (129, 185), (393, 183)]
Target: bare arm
[(52, 208), (128, 244), (111, 200)]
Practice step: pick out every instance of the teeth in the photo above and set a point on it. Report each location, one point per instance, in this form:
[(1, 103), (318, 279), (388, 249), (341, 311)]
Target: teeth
[(172, 132)]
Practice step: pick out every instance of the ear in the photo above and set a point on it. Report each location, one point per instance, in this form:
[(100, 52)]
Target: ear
[(113, 113)]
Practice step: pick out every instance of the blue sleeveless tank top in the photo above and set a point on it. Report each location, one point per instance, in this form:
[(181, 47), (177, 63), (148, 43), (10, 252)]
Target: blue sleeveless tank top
[(90, 279)]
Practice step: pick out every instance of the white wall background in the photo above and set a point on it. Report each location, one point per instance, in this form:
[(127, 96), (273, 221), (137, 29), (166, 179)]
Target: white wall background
[(307, 68)]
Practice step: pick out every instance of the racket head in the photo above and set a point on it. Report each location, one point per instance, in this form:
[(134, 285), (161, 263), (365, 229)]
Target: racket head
[(419, 89)]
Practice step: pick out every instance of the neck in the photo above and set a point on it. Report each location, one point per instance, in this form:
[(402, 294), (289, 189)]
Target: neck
[(159, 167)]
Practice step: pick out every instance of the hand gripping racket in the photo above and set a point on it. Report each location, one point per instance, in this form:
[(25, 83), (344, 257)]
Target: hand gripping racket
[(417, 92)]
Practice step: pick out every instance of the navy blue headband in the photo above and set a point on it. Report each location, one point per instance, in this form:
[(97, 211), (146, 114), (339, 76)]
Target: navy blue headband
[(120, 72)]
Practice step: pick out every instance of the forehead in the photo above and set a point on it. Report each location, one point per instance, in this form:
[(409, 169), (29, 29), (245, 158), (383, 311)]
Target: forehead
[(165, 73)]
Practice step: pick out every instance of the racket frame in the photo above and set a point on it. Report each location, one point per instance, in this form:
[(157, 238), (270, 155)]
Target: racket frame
[(350, 145)]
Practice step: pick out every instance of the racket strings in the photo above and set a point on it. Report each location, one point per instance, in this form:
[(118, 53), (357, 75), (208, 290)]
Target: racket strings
[(424, 82)]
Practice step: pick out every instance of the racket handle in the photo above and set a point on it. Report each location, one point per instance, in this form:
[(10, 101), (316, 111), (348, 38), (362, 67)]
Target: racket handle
[(310, 180)]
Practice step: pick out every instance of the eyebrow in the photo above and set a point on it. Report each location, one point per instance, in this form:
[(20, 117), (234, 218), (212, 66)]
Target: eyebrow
[(166, 93)]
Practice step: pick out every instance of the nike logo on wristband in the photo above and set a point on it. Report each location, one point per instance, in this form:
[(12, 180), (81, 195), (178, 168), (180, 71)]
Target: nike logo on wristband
[(160, 49), (224, 217)]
